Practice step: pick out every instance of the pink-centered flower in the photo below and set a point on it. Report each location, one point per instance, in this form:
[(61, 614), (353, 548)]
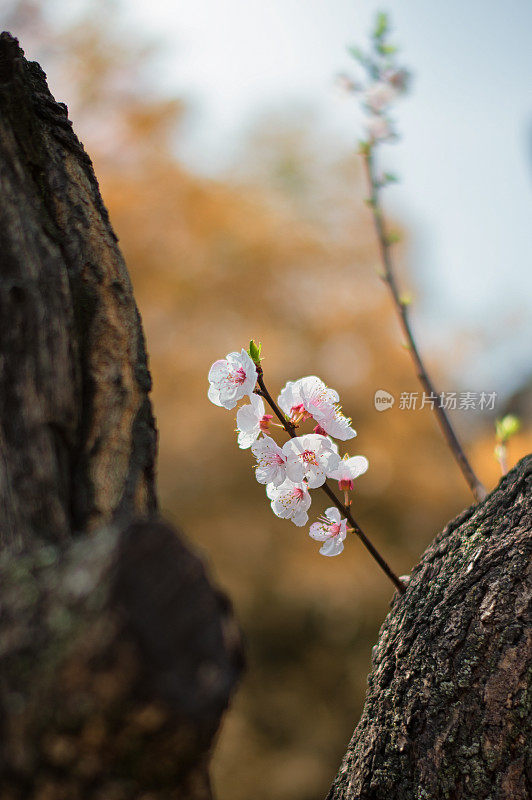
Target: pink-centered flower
[(311, 458), (290, 399), (290, 501), (271, 461), (330, 529), (348, 470), (251, 421), (231, 379), (311, 397)]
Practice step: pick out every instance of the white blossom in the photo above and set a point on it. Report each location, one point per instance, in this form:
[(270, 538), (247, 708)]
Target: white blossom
[(334, 423), (308, 397), (348, 470), (316, 396), (290, 399), (251, 421), (310, 457), (231, 379), (311, 397), (378, 128), (271, 461), (290, 501), (304, 396), (379, 95), (330, 529)]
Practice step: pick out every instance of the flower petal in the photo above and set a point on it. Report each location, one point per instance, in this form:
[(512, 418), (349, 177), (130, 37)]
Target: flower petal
[(315, 477), (319, 531), (218, 371), (246, 439), (333, 514), (300, 518), (358, 465), (333, 547), (246, 418), (214, 395), (289, 397), (257, 404)]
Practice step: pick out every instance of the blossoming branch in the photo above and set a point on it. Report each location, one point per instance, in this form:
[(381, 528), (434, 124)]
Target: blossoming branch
[(383, 83), (304, 462)]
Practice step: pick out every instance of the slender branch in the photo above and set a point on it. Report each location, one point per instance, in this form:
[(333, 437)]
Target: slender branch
[(479, 492), (289, 428), (501, 454), (343, 509)]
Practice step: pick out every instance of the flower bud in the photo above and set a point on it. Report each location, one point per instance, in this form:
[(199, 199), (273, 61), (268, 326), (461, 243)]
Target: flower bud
[(255, 351), (345, 485)]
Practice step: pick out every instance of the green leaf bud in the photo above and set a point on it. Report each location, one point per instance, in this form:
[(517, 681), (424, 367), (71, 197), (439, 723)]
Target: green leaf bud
[(507, 427), (255, 352), (381, 25)]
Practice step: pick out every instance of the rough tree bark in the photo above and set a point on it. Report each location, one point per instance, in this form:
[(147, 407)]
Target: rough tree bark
[(447, 713), (117, 655)]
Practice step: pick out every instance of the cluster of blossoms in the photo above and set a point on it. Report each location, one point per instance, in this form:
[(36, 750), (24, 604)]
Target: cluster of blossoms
[(302, 463), (383, 84)]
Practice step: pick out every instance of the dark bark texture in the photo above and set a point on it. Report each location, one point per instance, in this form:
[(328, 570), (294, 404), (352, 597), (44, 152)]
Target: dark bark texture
[(447, 713), (74, 376), (117, 655)]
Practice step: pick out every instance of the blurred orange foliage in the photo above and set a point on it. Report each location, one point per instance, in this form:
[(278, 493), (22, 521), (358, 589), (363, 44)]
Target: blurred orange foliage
[(291, 262)]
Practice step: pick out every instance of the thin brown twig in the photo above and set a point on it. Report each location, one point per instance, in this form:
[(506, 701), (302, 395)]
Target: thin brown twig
[(479, 492), (343, 509), (501, 454)]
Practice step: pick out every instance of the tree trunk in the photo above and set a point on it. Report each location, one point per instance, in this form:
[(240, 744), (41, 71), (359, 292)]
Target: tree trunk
[(117, 656), (447, 713)]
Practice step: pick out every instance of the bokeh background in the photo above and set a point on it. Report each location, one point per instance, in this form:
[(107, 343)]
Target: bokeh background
[(226, 158)]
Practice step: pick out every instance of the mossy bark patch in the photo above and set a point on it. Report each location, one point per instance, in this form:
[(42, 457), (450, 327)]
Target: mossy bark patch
[(447, 713)]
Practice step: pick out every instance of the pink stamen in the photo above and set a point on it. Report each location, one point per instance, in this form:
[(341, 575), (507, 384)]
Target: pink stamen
[(298, 493), (278, 459), (239, 376), (332, 528), (309, 457), (299, 414), (264, 423)]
